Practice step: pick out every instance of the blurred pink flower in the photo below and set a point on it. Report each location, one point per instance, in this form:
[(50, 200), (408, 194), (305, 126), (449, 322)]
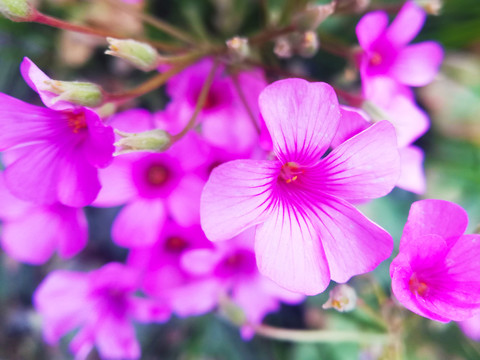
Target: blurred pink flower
[(163, 277), (471, 327), (152, 185), (101, 305), (31, 233), (53, 153), (386, 51), (436, 271), (231, 264), (224, 120), (306, 230)]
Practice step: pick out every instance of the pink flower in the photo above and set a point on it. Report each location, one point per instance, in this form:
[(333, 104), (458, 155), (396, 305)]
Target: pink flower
[(53, 153), (101, 304), (224, 120), (471, 327), (152, 185), (306, 231), (164, 278), (386, 51), (31, 233), (436, 271), (231, 264)]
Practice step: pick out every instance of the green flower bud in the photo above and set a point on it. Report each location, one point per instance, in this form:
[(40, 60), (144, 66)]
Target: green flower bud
[(138, 54), (17, 10), (152, 141), (81, 93)]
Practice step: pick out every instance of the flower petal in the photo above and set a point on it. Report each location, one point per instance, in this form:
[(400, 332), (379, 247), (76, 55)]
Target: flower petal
[(407, 24), (437, 217), (237, 196), (357, 170), (351, 123), (352, 243), (115, 338), (139, 223), (417, 65), (302, 118), (370, 28), (184, 201), (412, 177), (289, 251)]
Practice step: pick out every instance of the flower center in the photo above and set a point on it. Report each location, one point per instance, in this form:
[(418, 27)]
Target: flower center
[(76, 121), (175, 244), (417, 286), (376, 59), (157, 175), (290, 172)]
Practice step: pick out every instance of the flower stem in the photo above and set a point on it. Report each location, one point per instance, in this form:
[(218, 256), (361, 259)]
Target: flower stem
[(155, 22), (153, 83), (245, 103), (322, 336), (202, 99)]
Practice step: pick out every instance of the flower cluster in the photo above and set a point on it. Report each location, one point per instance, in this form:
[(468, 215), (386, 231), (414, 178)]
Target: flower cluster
[(238, 196)]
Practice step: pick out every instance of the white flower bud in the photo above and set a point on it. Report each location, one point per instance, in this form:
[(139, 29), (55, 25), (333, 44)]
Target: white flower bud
[(342, 298)]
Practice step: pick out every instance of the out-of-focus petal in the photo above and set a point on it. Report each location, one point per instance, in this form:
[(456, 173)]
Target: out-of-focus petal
[(407, 24), (412, 176), (370, 28)]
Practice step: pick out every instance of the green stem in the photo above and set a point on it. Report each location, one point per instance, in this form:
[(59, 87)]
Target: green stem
[(202, 99), (322, 336), (153, 83)]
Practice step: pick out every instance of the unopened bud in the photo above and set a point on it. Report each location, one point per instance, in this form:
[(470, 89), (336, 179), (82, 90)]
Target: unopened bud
[(138, 54), (81, 93), (238, 48), (313, 16), (152, 141), (17, 10), (309, 44), (432, 7), (375, 112), (342, 298), (283, 47)]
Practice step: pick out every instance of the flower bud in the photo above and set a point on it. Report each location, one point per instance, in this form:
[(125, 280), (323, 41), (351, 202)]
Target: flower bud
[(140, 55), (17, 10), (283, 47), (153, 141), (81, 93), (313, 16), (309, 44), (432, 7), (342, 298), (238, 48)]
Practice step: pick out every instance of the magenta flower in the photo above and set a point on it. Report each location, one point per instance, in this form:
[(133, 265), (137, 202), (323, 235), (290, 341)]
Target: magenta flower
[(436, 271), (31, 233), (53, 153), (231, 264), (102, 305), (164, 278), (224, 120), (306, 231), (471, 327), (152, 185), (386, 51)]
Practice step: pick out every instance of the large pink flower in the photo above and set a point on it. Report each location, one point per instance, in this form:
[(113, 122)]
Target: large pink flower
[(53, 153), (307, 232), (386, 51), (436, 271), (102, 304)]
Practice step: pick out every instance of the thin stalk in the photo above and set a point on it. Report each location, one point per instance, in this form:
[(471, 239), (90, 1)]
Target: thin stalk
[(202, 99), (270, 34), (153, 83), (155, 22), (245, 103), (322, 336), (41, 18)]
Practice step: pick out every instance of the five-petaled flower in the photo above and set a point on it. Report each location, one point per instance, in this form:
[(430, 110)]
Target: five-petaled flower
[(307, 232)]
